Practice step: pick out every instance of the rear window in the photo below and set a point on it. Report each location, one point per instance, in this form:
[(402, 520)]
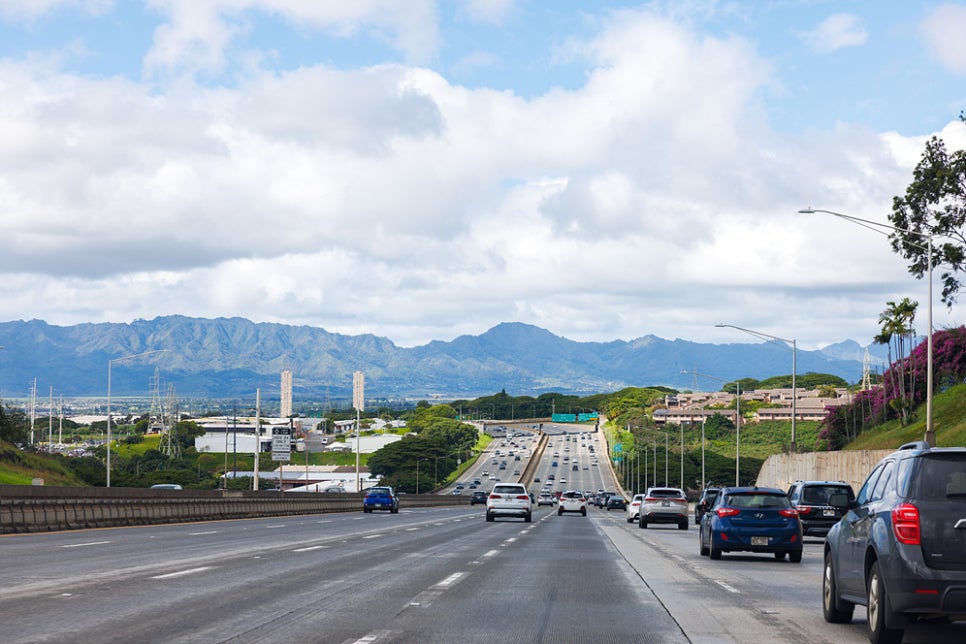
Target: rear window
[(508, 489), (666, 492), (572, 495), (380, 491), (942, 477), (757, 500), (818, 494)]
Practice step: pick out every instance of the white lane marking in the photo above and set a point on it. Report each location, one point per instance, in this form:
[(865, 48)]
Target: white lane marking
[(181, 573), (449, 581), (274, 527), (726, 586), (510, 540), (198, 534), (309, 548), (326, 521), (374, 636), (411, 529), (372, 536), (490, 553), (82, 545)]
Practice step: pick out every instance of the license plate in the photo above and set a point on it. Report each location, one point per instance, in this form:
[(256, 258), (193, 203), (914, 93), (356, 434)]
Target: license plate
[(759, 541), (828, 513), (665, 504)]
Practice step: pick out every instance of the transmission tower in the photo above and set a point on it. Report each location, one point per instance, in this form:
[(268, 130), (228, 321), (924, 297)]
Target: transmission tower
[(866, 385)]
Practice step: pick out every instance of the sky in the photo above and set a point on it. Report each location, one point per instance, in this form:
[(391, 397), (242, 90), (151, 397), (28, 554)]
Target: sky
[(422, 170)]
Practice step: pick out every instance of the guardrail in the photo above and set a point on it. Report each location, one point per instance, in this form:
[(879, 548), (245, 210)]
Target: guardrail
[(25, 508)]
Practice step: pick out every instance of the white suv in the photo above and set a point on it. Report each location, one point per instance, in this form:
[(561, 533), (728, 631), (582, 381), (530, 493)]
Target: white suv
[(664, 505), (634, 508), (572, 501), (508, 499)]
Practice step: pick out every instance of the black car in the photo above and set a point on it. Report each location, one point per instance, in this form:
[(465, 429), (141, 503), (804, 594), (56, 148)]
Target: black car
[(900, 548), (810, 498), (616, 502), (704, 503), (479, 496)]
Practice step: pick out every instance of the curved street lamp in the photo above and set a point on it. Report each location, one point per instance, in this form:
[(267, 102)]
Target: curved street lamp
[(930, 435), (774, 339)]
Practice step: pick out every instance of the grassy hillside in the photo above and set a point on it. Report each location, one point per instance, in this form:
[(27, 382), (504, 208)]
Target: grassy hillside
[(21, 468), (949, 423)]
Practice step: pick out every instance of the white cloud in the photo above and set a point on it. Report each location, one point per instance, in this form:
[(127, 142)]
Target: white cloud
[(943, 30), (835, 32), (489, 11), (654, 198), (198, 34), (33, 9)]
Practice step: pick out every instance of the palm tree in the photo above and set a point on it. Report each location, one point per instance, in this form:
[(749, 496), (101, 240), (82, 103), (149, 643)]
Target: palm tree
[(896, 327)]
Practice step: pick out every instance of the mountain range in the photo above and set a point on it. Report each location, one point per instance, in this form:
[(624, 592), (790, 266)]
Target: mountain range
[(231, 357)]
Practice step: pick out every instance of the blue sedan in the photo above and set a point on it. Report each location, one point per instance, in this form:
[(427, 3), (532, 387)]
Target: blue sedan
[(751, 519)]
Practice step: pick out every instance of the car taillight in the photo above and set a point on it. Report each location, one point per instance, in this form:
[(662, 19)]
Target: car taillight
[(727, 512), (788, 512), (523, 496), (804, 510), (680, 500), (495, 496), (650, 499), (905, 524)]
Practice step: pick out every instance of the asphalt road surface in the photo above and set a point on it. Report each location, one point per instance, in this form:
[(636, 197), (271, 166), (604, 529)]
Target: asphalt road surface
[(423, 575)]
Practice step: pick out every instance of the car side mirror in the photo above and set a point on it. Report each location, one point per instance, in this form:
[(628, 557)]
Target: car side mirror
[(839, 500)]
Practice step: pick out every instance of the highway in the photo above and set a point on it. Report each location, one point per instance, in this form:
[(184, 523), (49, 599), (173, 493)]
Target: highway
[(423, 575)]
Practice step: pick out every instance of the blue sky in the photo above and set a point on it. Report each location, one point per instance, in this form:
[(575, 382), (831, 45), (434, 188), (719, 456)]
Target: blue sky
[(420, 170)]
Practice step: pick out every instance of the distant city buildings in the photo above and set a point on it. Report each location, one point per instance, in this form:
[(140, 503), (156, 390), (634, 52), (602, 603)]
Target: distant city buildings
[(286, 404)]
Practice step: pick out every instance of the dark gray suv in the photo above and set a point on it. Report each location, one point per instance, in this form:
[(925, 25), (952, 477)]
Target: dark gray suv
[(900, 548)]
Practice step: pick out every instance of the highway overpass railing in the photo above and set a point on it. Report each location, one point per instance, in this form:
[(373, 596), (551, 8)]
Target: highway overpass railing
[(26, 508)]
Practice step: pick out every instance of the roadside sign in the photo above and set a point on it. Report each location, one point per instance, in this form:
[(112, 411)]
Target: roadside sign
[(281, 444)]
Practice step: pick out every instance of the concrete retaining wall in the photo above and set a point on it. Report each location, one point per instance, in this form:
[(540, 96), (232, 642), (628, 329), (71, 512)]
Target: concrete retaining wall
[(853, 466), (25, 508)]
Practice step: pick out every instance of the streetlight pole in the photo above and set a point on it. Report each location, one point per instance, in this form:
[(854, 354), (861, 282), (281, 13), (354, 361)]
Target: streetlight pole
[(110, 363), (930, 435), (737, 421), (775, 340)]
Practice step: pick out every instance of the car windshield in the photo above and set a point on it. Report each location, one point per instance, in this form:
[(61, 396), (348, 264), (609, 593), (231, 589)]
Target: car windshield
[(818, 494), (757, 500)]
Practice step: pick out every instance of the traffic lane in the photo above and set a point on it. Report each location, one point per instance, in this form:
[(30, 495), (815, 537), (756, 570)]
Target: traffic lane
[(744, 595), (45, 564), (554, 580), (737, 599), (242, 597)]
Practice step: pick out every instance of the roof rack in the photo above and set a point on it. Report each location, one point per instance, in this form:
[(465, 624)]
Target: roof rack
[(915, 445)]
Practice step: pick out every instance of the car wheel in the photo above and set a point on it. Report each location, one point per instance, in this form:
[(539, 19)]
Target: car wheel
[(795, 556), (583, 512), (527, 518), (703, 548), (830, 597), (779, 556), (560, 512), (714, 553), (877, 608), (489, 517), (642, 524), (630, 519), (683, 525)]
